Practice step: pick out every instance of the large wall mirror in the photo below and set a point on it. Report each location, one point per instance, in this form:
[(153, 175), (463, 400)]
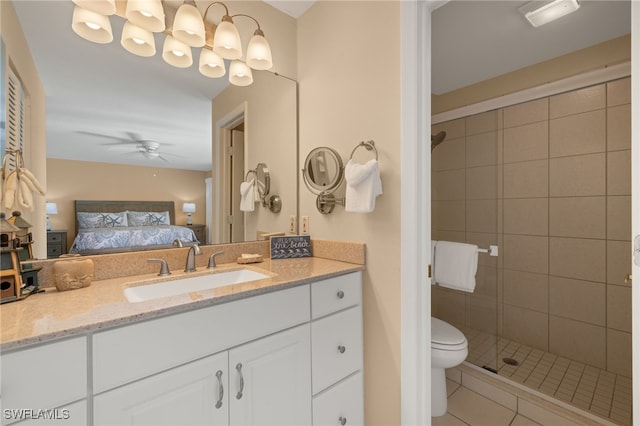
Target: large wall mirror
[(121, 127)]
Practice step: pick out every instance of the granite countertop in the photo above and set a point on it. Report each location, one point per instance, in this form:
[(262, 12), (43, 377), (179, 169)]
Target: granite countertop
[(52, 315)]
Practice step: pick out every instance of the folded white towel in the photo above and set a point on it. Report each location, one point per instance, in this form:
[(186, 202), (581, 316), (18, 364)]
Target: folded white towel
[(456, 265), (247, 196), (363, 186)]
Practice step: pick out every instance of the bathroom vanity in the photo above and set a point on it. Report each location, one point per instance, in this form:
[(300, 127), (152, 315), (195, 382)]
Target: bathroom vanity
[(283, 350)]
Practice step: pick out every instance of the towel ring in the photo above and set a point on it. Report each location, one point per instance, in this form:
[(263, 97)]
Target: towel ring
[(369, 145)]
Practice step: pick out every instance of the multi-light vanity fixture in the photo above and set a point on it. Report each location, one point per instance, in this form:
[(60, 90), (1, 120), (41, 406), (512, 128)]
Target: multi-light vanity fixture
[(189, 29)]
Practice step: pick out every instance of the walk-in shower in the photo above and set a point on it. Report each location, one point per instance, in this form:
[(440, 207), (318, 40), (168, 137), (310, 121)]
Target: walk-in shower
[(549, 182)]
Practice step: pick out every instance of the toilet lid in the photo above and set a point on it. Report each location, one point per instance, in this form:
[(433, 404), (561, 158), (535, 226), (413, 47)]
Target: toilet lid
[(443, 333)]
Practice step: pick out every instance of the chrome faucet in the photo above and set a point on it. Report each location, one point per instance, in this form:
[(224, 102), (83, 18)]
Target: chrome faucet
[(194, 250)]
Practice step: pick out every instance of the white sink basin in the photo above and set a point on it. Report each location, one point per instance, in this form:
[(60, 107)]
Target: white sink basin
[(175, 287)]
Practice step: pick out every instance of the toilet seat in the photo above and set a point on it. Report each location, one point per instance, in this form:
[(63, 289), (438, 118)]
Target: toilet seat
[(446, 337)]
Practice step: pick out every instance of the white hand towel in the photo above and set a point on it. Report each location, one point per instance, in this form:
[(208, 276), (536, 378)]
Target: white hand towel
[(456, 265), (363, 186), (247, 197)]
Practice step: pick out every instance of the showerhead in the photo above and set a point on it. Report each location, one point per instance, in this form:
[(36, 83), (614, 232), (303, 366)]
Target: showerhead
[(437, 139)]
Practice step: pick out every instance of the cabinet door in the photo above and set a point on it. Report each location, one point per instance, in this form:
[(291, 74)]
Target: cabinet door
[(271, 380), (32, 378), (193, 394)]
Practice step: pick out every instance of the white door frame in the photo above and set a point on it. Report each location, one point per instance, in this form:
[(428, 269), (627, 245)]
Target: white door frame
[(635, 201), (416, 212)]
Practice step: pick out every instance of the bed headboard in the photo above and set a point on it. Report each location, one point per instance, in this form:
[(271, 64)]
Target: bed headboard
[(101, 206)]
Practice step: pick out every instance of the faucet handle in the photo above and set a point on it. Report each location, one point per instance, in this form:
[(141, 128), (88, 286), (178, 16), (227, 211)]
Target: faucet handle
[(177, 243), (212, 259), (164, 268)]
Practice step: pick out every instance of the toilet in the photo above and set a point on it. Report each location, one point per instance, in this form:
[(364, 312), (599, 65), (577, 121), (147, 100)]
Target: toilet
[(448, 349)]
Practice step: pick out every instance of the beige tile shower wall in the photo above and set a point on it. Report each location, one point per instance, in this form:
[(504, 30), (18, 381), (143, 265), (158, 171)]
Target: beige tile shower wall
[(556, 197)]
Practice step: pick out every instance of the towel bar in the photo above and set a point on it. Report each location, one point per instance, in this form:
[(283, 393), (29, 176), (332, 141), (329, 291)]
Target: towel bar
[(492, 250)]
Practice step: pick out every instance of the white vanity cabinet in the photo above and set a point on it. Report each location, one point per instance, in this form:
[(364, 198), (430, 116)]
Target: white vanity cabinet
[(337, 351), (45, 384), (147, 373)]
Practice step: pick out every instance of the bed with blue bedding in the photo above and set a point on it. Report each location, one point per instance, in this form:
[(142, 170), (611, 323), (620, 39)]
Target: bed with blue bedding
[(118, 226)]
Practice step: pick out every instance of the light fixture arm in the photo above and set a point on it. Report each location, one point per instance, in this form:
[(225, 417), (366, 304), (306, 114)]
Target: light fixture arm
[(259, 30), (206, 11)]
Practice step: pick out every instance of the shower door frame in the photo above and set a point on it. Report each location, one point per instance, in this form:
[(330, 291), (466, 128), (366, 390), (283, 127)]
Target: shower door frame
[(416, 355)]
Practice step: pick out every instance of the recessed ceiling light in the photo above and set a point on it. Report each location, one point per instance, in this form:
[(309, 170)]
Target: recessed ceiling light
[(542, 12)]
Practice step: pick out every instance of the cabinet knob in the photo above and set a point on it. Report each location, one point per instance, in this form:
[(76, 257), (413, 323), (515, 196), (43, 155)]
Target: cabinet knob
[(340, 294), (341, 349), (342, 420)]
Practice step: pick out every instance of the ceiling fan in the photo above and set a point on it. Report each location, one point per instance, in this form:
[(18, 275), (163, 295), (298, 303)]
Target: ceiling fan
[(148, 148)]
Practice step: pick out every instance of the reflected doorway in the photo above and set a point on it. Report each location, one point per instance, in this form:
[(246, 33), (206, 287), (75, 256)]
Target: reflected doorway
[(236, 177)]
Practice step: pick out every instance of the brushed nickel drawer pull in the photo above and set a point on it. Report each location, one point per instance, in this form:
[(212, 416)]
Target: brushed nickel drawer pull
[(239, 368), (220, 389), (342, 420), (340, 294), (341, 349)]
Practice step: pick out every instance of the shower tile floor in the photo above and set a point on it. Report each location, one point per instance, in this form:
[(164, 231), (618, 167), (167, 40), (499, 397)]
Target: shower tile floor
[(589, 388)]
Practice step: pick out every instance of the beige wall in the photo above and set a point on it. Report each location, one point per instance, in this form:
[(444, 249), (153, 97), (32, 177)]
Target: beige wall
[(71, 180), (549, 181), (348, 94), (591, 58), (20, 60)]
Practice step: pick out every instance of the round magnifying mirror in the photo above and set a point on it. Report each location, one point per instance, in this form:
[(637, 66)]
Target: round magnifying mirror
[(264, 181), (323, 170)]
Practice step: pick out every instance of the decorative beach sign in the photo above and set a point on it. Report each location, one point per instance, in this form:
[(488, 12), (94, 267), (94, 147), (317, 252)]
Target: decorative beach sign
[(290, 247)]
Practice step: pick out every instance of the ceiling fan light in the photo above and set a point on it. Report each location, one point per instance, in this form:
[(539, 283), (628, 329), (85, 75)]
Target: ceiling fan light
[(211, 65), (240, 74), (147, 14), (259, 52), (91, 26), (542, 12), (103, 7), (137, 40), (188, 26), (226, 40), (176, 53)]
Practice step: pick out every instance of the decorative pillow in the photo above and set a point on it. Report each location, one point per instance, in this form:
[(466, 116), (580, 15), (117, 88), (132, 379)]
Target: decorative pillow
[(148, 218), (101, 220)]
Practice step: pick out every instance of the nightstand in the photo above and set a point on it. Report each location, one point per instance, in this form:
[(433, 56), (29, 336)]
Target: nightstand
[(200, 231), (56, 243)]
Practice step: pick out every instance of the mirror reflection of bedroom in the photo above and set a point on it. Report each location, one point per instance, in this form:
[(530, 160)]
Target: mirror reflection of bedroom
[(138, 137)]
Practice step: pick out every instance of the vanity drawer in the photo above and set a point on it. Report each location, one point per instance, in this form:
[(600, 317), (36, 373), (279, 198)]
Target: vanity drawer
[(340, 404), (336, 347), (129, 353), (46, 376), (334, 294)]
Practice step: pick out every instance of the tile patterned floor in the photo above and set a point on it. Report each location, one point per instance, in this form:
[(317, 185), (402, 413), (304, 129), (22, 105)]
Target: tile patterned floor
[(594, 390)]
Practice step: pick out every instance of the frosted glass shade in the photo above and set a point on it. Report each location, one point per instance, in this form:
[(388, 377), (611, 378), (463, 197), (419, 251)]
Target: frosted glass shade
[(226, 40), (91, 26), (103, 7), (138, 40), (211, 65), (188, 26), (259, 53), (240, 74), (176, 53), (147, 14)]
